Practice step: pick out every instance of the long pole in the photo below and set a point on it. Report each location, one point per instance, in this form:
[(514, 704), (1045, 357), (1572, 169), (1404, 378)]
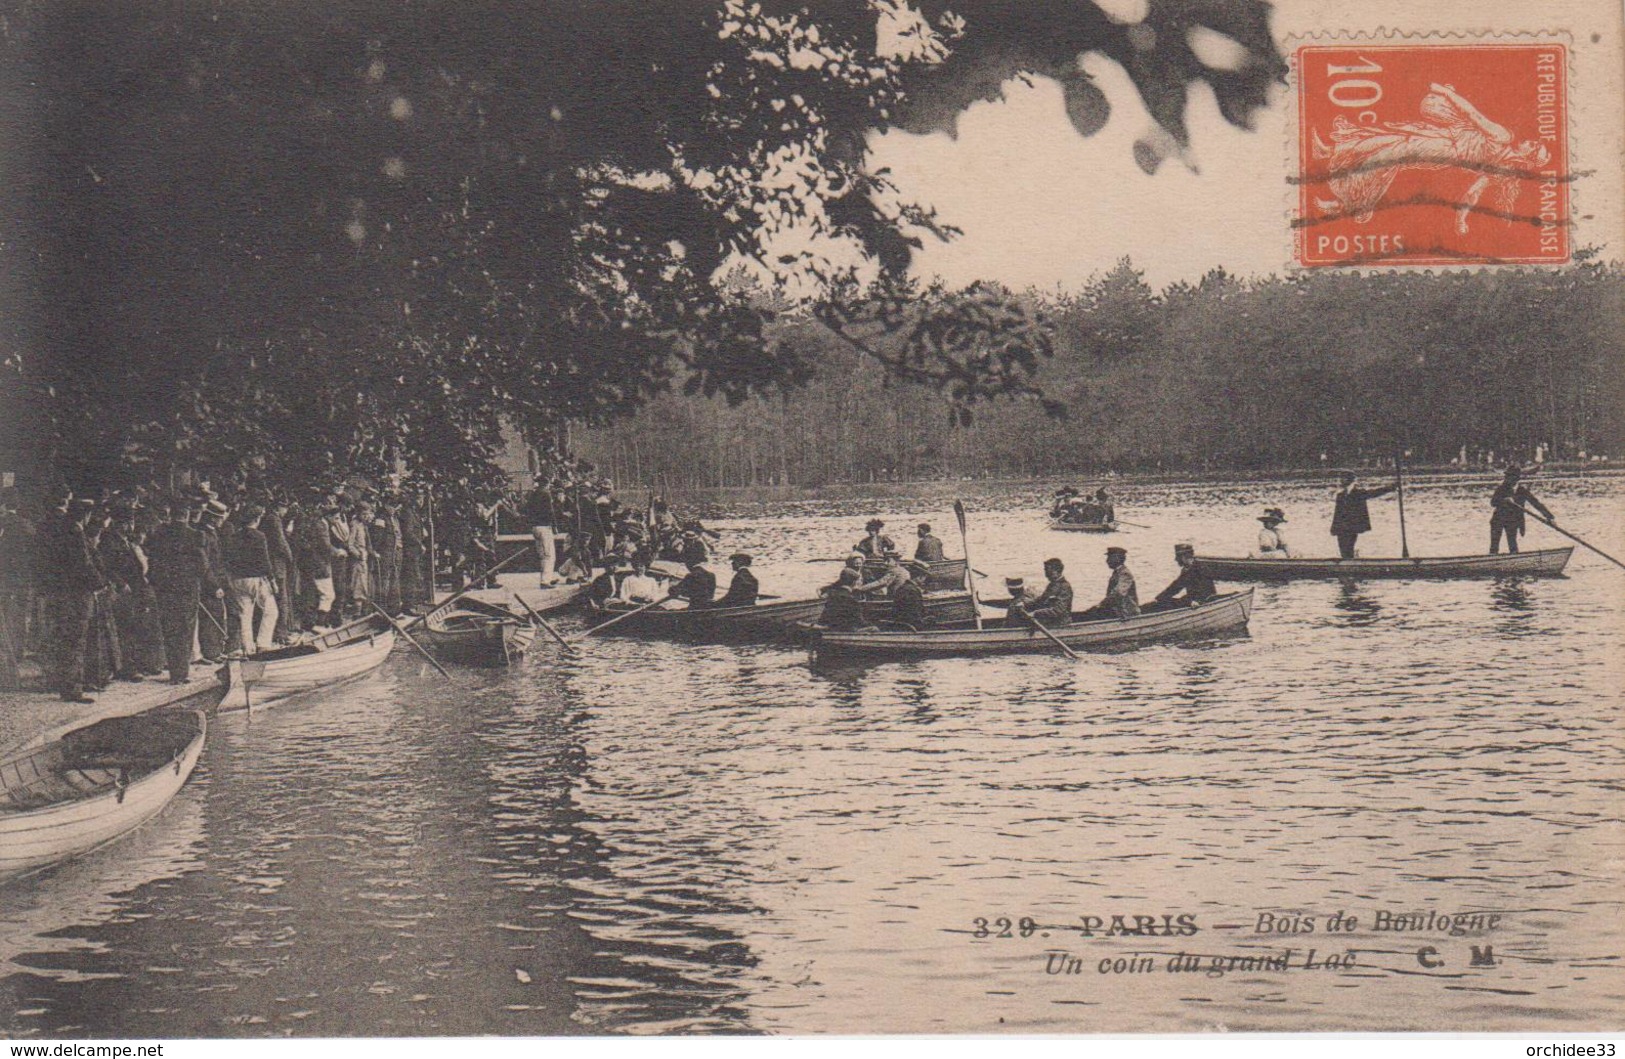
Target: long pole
[(470, 587), (545, 624), (382, 613), (1571, 536), (1056, 640), (964, 543), (1399, 479), (434, 557)]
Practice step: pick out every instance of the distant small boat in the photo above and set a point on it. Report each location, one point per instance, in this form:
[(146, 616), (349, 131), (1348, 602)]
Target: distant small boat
[(762, 622), (75, 789), (1083, 527), (347, 652), (1547, 563), (477, 633), (1219, 615)]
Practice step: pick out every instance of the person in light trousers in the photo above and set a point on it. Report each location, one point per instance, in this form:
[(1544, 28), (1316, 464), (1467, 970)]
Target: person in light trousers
[(248, 562)]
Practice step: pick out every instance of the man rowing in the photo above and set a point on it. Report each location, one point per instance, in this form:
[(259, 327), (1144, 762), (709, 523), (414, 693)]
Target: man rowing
[(743, 589), (698, 587), (1122, 600), (1193, 585), (842, 611), (1350, 518), (929, 550), (1054, 604), (1509, 500), (875, 544)]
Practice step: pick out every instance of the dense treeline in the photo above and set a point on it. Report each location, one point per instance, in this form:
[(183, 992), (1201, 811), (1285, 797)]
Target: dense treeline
[(1225, 373)]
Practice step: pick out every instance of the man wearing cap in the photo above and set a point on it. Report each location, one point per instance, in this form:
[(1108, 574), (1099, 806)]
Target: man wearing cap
[(284, 570), (1122, 600), (1193, 585), (313, 552), (175, 553), (875, 544), (908, 599), (70, 578), (341, 554), (929, 550), (216, 581), (248, 562), (744, 588), (1350, 518), (1054, 605), (842, 611), (1508, 502), (538, 512)]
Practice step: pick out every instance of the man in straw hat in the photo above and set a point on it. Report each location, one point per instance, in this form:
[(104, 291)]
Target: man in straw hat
[(1271, 544)]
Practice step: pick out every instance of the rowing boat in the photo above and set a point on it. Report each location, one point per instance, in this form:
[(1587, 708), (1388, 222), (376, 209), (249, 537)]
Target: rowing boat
[(764, 621), (1083, 527), (477, 633), (1220, 615), (1547, 563), (345, 653), (75, 789)]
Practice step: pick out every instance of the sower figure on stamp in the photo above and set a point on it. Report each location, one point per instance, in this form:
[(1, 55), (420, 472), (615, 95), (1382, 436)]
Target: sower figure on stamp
[(1350, 518), (1509, 500)]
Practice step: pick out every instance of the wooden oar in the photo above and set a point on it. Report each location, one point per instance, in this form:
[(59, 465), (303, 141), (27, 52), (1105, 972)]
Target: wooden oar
[(1399, 483), (470, 587), (545, 624), (964, 542), (620, 617), (1056, 640), (408, 637), (1569, 535), (207, 613), (1126, 522)]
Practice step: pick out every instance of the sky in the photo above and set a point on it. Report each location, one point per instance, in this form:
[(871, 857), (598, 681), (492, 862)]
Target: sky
[(1044, 207)]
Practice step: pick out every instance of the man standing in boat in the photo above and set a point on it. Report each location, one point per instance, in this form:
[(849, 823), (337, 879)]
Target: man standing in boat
[(743, 589), (1509, 500), (929, 550), (876, 544), (1122, 599), (1054, 605), (1350, 517), (1193, 585)]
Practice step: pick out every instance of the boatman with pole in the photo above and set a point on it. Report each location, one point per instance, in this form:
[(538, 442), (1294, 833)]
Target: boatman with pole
[(1509, 500), (1350, 518)]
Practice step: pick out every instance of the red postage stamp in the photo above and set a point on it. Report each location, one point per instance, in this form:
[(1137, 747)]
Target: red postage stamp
[(1432, 154)]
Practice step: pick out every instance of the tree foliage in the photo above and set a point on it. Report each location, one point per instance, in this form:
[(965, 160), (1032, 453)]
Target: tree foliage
[(335, 235)]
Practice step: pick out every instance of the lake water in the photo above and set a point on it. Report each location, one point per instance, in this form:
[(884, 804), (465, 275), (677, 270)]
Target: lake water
[(667, 838)]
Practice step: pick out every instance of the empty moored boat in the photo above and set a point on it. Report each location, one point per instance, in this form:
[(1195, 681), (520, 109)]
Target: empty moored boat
[(1220, 615), (477, 633), (1547, 563), (347, 652), (77, 788)]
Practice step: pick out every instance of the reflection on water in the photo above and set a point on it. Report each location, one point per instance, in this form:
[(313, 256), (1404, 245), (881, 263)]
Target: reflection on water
[(676, 838)]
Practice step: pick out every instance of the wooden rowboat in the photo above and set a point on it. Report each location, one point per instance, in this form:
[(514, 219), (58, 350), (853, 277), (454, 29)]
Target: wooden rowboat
[(1547, 563), (1083, 527), (77, 788), (476, 633), (345, 653), (762, 622), (1218, 616), (948, 575)]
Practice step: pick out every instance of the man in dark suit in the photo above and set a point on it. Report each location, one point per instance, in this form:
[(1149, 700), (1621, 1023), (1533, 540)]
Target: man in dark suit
[(1054, 604), (1193, 585), (743, 589), (699, 587), (1350, 517), (1508, 501), (175, 568), (929, 550), (70, 576)]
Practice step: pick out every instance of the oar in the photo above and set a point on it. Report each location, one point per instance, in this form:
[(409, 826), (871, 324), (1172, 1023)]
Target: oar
[(1571, 536), (470, 587), (216, 621), (964, 543), (1126, 522), (620, 617), (1399, 482), (408, 637), (545, 624), (1056, 640)]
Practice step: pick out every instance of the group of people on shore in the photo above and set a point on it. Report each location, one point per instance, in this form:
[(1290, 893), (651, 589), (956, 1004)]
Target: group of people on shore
[(149, 582)]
